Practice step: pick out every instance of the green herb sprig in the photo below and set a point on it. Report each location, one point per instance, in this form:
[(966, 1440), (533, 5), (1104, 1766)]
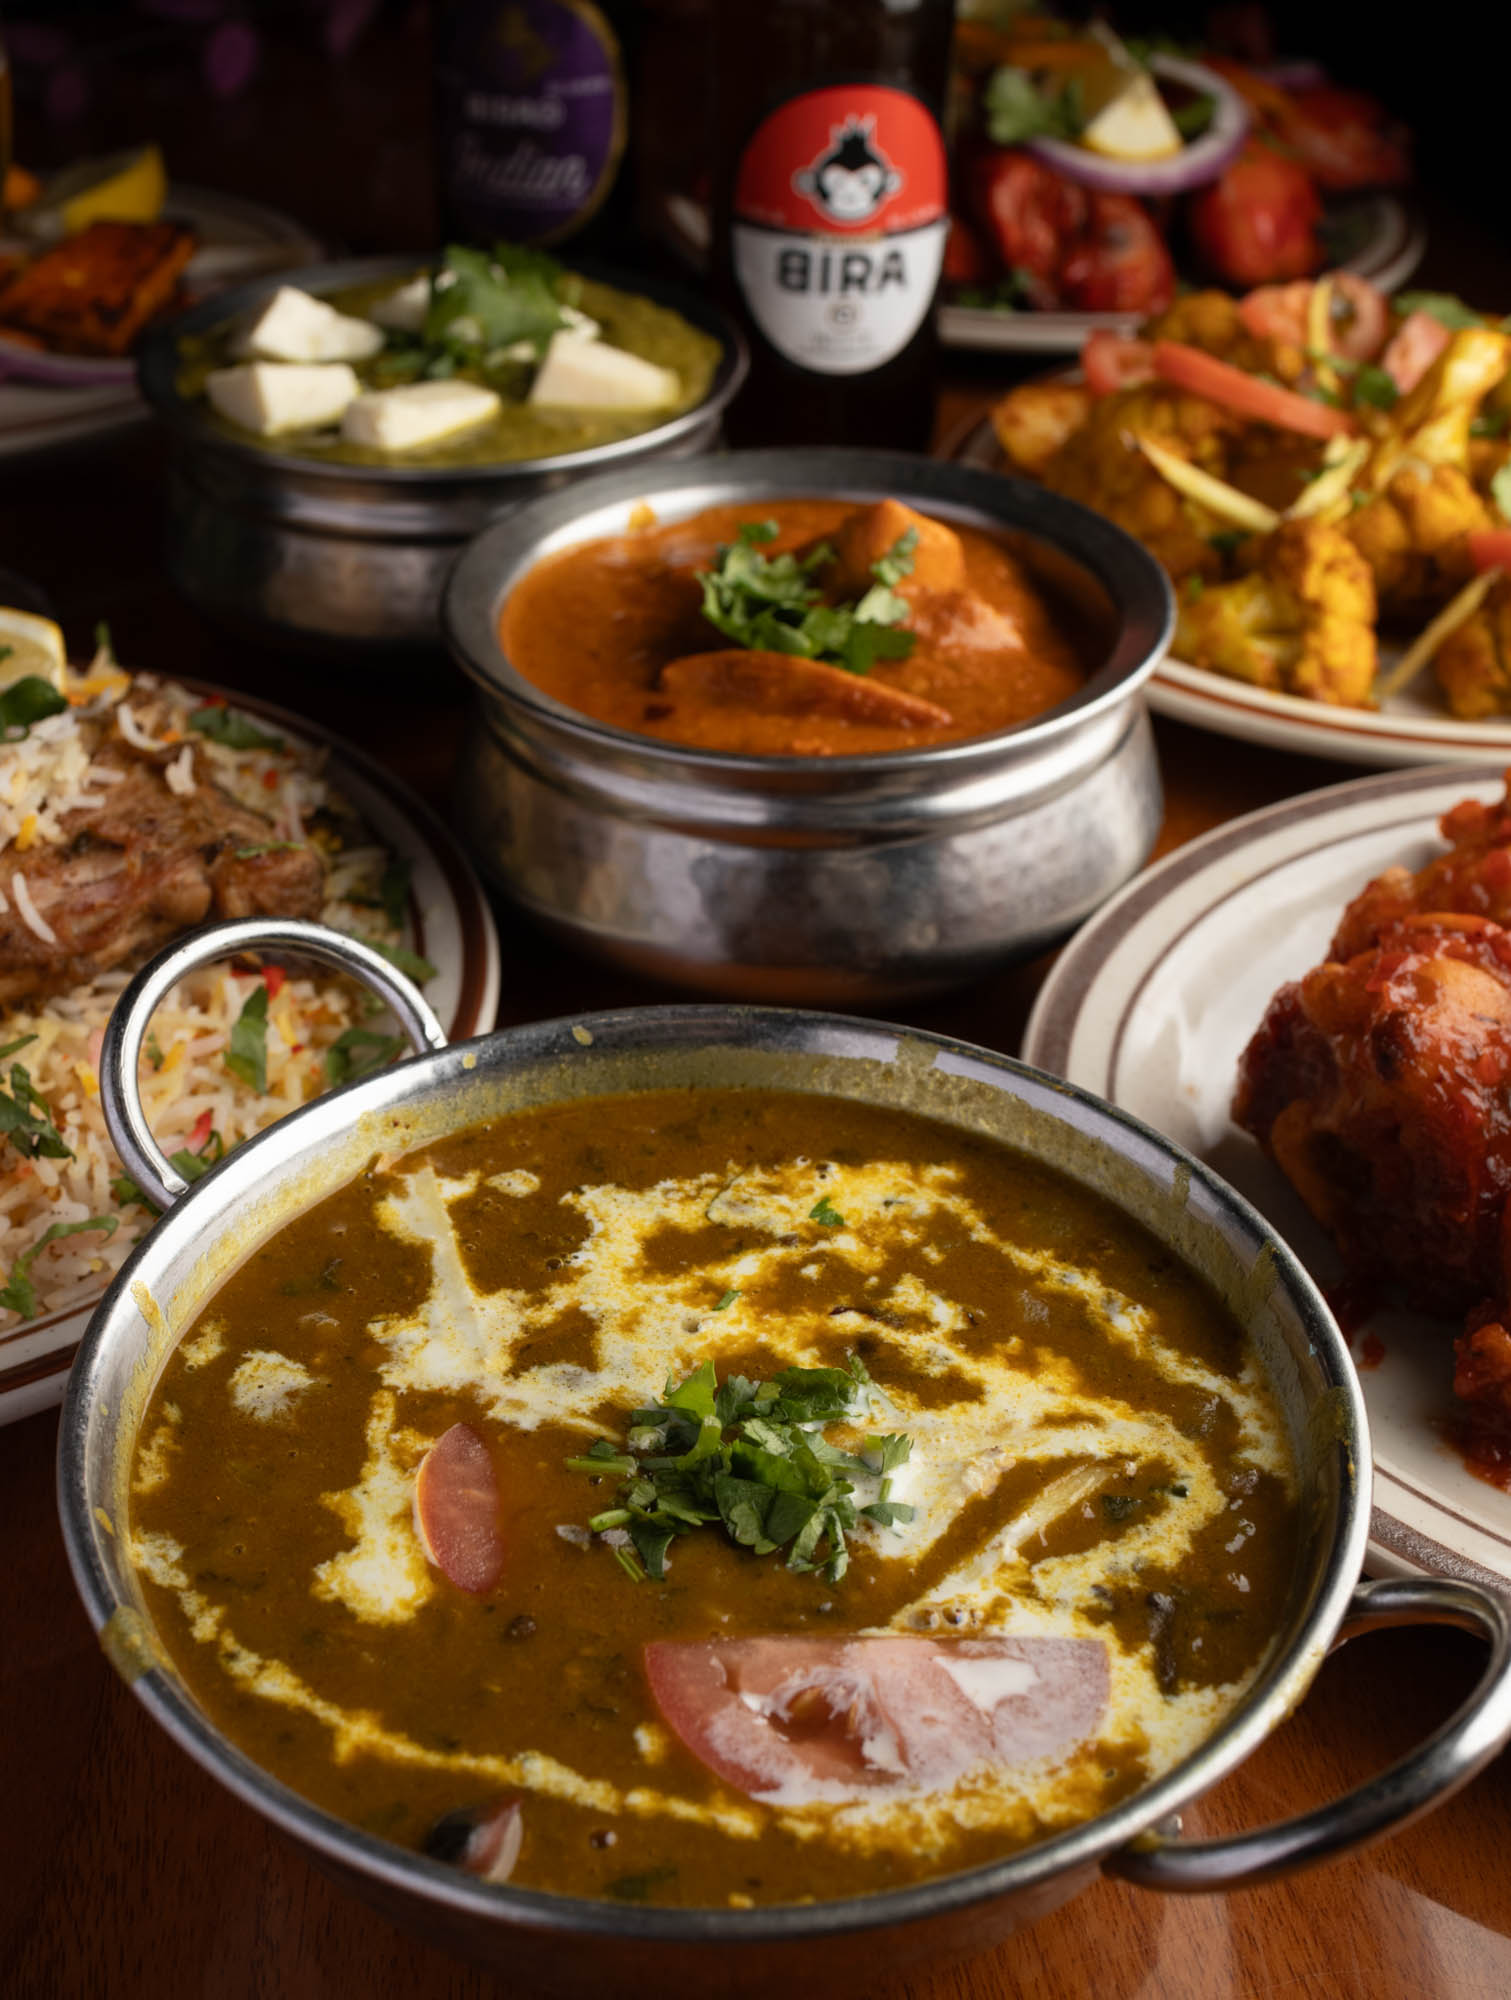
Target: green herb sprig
[(19, 1294), (772, 604), (193, 1167), (247, 1056), (1015, 108), (752, 1458), (28, 700), (233, 731), (25, 1118)]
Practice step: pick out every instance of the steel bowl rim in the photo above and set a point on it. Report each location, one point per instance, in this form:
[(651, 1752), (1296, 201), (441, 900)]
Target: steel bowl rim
[(1281, 1680), (1138, 587), (157, 366)]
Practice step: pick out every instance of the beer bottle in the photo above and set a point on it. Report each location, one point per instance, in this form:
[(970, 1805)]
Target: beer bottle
[(830, 213), (531, 120)]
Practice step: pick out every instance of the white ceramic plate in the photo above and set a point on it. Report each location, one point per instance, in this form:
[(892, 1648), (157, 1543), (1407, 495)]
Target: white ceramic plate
[(1151, 1005), (1412, 728), (449, 923), (1391, 242), (47, 400)]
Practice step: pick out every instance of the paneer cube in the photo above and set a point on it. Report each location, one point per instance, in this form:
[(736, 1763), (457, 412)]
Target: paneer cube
[(405, 309), (269, 397), (293, 326), (417, 414), (584, 374)]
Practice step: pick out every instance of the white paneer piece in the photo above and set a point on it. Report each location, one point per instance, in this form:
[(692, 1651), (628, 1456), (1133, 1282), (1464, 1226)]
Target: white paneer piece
[(583, 374), (273, 396), (405, 309), (417, 414), (293, 326)]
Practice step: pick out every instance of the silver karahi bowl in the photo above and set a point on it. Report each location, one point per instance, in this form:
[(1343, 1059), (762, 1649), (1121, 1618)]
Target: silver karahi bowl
[(547, 1943), (356, 556), (820, 880)]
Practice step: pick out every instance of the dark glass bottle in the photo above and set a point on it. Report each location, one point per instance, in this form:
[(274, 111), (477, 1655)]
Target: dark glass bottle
[(830, 213), (531, 122)]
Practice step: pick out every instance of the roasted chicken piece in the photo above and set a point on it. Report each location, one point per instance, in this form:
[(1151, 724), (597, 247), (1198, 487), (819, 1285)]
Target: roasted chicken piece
[(1381, 1085), (1472, 879), (147, 864), (94, 292)]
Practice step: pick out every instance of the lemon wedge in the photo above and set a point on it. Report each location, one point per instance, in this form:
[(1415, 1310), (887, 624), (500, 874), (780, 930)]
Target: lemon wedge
[(1135, 125), (30, 646), (126, 187)]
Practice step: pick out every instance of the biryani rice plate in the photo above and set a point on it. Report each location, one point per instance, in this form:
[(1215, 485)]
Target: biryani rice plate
[(68, 1223)]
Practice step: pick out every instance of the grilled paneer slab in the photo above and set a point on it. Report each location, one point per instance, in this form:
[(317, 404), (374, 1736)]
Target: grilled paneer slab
[(134, 871), (94, 292)]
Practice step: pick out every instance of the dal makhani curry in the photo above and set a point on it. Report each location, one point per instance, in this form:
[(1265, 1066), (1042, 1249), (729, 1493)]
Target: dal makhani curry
[(810, 628), (714, 1497)]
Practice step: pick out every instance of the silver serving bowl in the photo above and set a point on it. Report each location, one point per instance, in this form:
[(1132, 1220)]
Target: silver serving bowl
[(345, 555), (828, 880), (549, 1943)]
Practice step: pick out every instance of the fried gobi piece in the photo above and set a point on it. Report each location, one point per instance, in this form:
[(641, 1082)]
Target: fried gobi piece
[(1473, 879), (1473, 664), (1213, 321), (1422, 502), (1036, 419), (1381, 1086), (1302, 621), (1101, 465), (94, 292)]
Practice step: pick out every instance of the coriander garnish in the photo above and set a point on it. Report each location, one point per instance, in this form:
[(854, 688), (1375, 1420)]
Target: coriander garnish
[(752, 1457), (771, 603)]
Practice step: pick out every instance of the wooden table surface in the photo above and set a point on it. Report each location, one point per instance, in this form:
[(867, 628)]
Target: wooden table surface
[(125, 1872)]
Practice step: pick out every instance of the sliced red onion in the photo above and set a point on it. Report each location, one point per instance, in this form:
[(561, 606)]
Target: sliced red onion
[(19, 363), (1192, 167)]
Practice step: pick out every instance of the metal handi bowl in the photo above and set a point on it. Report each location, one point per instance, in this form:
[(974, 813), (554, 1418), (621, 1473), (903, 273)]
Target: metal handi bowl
[(819, 880), (549, 1943), (348, 556)]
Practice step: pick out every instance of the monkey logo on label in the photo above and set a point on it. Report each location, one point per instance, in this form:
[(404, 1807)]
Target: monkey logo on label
[(839, 225), (851, 180)]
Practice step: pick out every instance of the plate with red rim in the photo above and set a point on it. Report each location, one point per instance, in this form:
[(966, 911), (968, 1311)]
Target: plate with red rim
[(1411, 728), (449, 922), (1151, 1005)]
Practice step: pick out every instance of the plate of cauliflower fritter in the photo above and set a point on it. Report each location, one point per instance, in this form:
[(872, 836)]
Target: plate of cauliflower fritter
[(1325, 473)]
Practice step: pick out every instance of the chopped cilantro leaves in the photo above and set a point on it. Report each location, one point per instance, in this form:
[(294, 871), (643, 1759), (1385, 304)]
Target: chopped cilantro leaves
[(750, 1457), (823, 1211), (357, 1052), (409, 962), (393, 890), (19, 1294), (28, 700), (771, 603), (1373, 385), (25, 1118), (1016, 109), (231, 730), (727, 1300), (193, 1167), (247, 1056)]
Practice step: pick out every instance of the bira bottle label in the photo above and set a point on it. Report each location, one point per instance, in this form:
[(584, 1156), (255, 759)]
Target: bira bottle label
[(839, 223), (532, 115)]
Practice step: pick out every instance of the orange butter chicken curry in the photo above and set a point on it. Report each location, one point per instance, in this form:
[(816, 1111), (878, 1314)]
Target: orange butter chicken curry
[(714, 1497), (793, 627)]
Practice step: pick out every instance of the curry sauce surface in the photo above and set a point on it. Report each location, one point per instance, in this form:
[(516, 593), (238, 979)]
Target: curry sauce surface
[(603, 627), (539, 1277)]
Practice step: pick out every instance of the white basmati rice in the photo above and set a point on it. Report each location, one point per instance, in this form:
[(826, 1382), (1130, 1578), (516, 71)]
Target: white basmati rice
[(187, 1090)]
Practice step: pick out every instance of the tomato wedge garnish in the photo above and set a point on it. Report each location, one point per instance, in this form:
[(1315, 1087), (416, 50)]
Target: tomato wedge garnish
[(1204, 375), (791, 1721), (1111, 361), (1490, 548), (456, 1510)]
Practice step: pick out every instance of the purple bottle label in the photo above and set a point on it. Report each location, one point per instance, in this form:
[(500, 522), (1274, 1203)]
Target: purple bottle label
[(532, 116)]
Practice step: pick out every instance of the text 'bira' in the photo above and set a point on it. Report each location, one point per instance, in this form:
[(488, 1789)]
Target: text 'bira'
[(864, 272)]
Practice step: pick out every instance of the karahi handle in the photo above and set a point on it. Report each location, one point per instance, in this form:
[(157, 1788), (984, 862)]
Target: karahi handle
[(121, 1049)]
